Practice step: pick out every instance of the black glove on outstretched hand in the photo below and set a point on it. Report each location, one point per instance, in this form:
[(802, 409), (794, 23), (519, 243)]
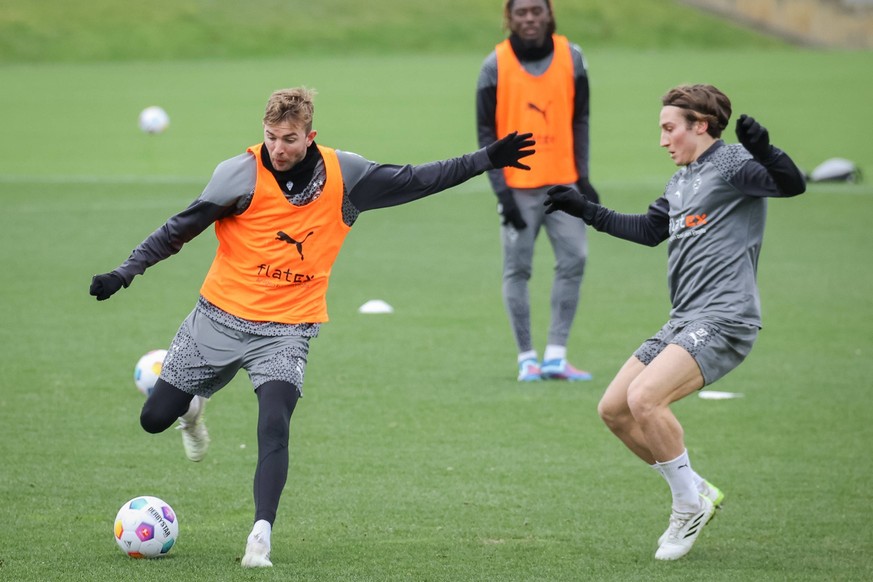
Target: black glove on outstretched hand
[(105, 286), (753, 136), (508, 150), (570, 201), (509, 210)]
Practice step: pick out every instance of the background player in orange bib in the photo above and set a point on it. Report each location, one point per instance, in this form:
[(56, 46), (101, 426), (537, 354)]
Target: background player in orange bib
[(536, 81)]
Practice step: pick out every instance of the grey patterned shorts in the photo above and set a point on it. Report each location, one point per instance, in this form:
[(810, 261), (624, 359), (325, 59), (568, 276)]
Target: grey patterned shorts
[(206, 355), (717, 346)]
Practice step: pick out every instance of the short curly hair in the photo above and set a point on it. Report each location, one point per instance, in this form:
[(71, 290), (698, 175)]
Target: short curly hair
[(507, 10), (291, 105)]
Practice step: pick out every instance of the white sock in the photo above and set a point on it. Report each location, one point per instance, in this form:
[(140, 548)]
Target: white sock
[(699, 481), (193, 409), (528, 355), (262, 530), (554, 352), (680, 477)]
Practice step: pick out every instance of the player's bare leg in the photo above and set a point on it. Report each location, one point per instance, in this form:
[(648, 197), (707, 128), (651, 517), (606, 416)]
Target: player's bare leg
[(671, 376), (614, 411), (635, 407)]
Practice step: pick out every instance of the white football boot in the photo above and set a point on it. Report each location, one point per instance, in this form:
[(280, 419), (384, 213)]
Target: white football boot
[(257, 552), (709, 490), (195, 438), (683, 531)]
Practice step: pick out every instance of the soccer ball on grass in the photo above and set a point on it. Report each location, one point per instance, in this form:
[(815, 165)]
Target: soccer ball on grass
[(147, 371), (146, 527)]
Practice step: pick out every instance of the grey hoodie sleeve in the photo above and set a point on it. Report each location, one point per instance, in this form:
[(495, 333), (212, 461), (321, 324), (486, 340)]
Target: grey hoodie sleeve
[(228, 192)]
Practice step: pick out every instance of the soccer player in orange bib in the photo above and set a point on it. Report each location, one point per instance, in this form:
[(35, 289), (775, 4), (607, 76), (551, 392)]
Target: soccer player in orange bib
[(281, 211), (536, 81)]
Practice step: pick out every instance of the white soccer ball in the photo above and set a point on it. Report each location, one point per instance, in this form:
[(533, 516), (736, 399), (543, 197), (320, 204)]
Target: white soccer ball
[(154, 119), (148, 370), (146, 527)]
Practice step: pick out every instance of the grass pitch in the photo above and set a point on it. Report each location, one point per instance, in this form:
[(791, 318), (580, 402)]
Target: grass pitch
[(415, 454)]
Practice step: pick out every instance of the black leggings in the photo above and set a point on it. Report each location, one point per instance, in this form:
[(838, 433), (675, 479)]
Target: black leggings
[(276, 402), (165, 404)]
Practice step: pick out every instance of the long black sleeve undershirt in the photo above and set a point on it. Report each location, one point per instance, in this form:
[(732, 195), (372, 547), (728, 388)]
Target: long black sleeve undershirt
[(386, 185), (650, 229), (777, 176), (784, 175)]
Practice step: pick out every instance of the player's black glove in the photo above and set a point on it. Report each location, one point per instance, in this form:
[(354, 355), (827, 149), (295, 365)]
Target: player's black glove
[(570, 201), (753, 136), (588, 190), (508, 150), (509, 210), (105, 285)]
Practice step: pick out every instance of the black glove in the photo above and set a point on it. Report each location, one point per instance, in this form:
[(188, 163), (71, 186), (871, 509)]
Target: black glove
[(753, 136), (105, 285), (588, 190), (508, 150), (509, 210), (570, 201)]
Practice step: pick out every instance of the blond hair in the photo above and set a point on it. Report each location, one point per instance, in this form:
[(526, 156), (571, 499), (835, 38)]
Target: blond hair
[(291, 106)]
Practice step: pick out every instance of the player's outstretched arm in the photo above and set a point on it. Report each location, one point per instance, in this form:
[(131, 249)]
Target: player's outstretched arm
[(572, 202), (756, 139), (649, 229), (164, 242), (371, 185), (105, 286), (508, 150)]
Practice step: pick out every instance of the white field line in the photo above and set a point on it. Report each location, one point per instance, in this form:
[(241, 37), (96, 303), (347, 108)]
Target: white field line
[(475, 184), (94, 179)]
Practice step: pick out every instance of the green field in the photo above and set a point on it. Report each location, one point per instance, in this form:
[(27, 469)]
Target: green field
[(415, 454)]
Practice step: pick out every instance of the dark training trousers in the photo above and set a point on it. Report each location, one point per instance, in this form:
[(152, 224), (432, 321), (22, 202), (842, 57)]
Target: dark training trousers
[(276, 403)]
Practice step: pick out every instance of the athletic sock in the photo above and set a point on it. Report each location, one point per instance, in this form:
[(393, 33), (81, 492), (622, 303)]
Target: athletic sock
[(699, 481), (528, 355), (680, 477), (554, 352)]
